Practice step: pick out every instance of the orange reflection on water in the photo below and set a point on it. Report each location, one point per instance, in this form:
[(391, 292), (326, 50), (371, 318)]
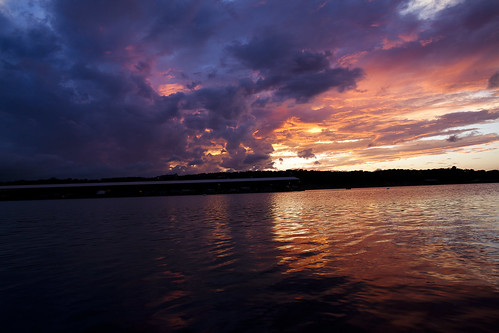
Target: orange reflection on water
[(383, 237), (304, 246)]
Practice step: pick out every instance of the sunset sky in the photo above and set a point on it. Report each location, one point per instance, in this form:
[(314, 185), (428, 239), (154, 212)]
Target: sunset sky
[(101, 88)]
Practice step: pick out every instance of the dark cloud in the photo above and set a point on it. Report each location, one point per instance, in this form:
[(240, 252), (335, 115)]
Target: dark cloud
[(466, 117), (310, 62), (305, 86), (263, 52), (494, 81), (252, 159), (79, 82), (82, 105), (292, 73), (308, 115), (306, 153), (228, 102), (241, 160)]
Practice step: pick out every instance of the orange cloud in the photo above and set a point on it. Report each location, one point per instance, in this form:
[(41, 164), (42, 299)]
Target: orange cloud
[(170, 88)]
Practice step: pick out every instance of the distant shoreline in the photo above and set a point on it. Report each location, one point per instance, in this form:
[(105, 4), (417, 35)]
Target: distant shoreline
[(237, 182), (147, 188)]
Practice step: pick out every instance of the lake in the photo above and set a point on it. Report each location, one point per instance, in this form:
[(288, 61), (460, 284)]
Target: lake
[(420, 258)]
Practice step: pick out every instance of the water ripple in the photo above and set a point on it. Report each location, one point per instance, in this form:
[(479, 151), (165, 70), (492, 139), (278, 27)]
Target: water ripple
[(404, 259)]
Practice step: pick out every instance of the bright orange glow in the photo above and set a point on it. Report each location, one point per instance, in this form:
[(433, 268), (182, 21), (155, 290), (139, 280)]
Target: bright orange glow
[(170, 88), (398, 111)]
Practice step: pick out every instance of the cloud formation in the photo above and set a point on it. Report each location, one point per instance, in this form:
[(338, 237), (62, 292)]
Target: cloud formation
[(306, 153), (494, 81), (92, 89)]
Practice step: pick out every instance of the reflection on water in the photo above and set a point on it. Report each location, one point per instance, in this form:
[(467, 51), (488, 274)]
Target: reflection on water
[(414, 258), (430, 233)]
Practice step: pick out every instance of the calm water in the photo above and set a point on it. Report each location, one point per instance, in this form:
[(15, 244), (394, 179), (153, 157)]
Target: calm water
[(399, 259)]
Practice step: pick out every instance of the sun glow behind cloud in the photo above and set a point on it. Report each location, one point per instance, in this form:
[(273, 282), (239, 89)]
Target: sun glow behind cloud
[(171, 88), (361, 117)]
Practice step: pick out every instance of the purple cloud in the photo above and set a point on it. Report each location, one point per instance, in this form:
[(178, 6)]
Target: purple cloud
[(306, 153), (494, 81)]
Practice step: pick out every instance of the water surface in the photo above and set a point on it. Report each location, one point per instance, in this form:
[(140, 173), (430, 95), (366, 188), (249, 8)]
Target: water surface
[(376, 259)]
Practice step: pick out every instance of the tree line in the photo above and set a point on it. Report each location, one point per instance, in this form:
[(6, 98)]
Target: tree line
[(312, 179)]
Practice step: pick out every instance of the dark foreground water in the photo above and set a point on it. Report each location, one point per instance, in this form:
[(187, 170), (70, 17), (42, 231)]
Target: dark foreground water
[(399, 259)]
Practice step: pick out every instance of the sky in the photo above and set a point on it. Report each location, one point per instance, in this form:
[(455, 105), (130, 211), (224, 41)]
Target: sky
[(104, 88)]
